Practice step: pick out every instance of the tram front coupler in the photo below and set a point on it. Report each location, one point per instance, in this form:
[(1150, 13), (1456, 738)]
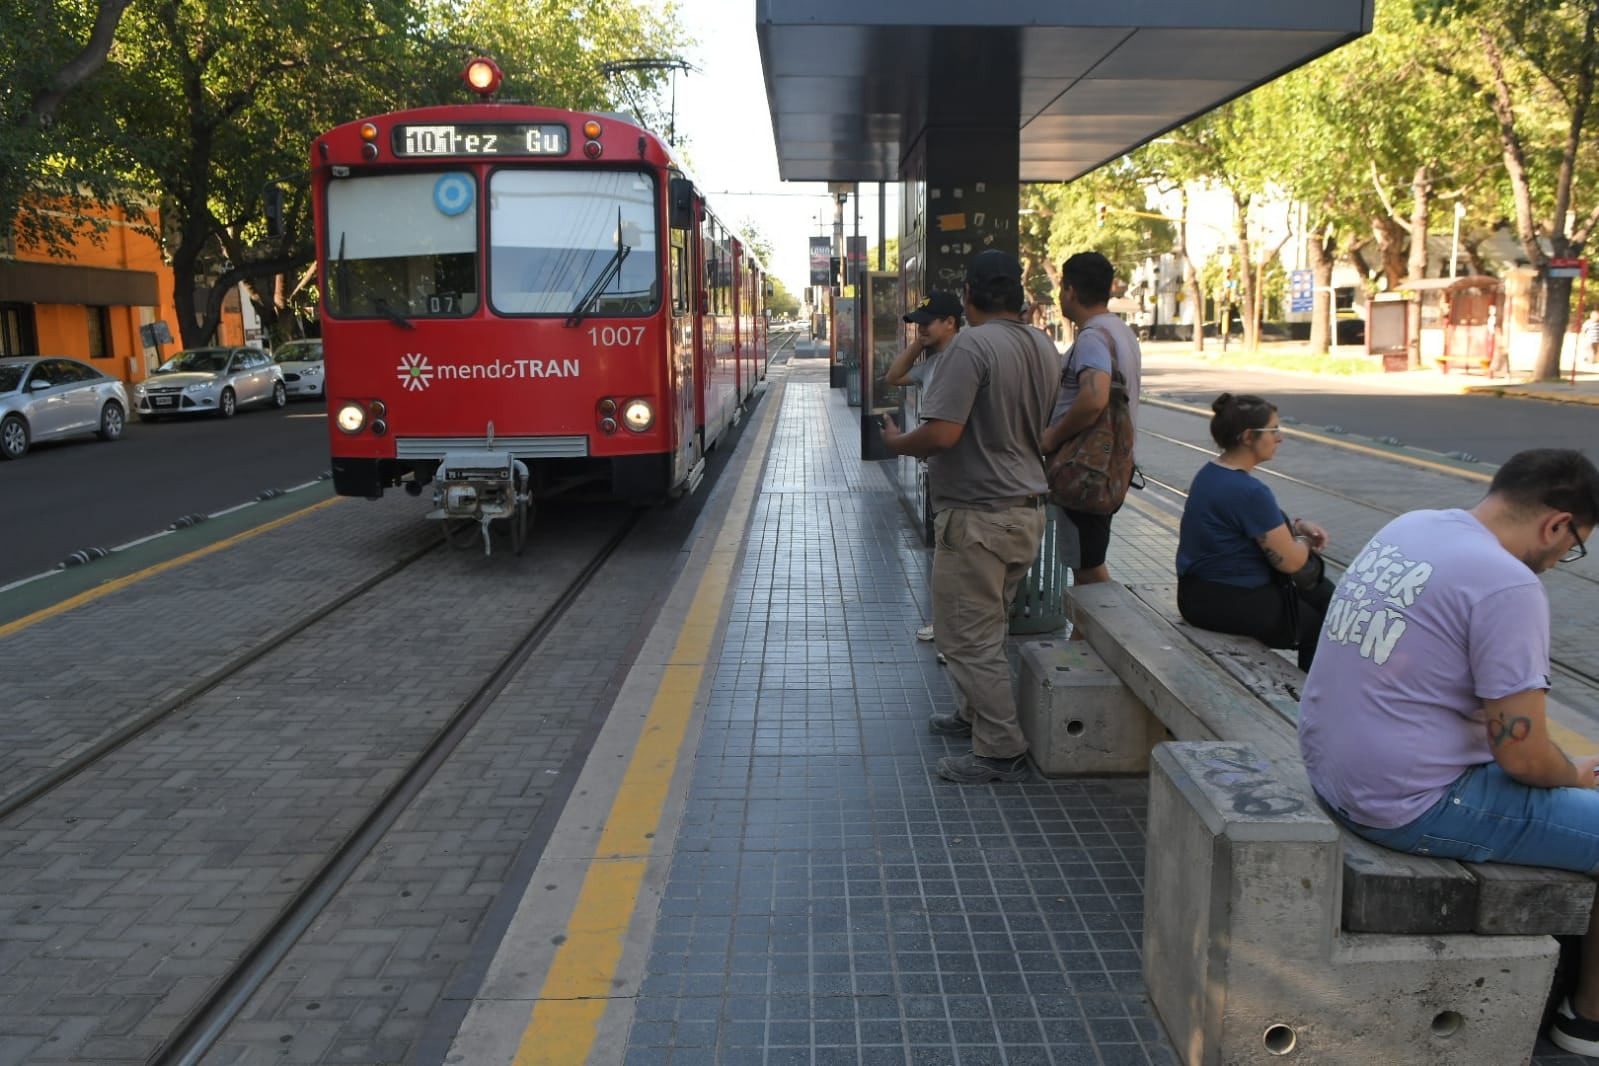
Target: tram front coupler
[(480, 487)]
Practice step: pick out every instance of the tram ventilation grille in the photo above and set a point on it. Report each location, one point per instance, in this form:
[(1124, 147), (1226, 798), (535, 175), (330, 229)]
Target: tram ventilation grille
[(520, 447)]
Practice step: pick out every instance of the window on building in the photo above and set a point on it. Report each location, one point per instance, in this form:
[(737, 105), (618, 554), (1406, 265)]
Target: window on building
[(16, 330), (99, 332)]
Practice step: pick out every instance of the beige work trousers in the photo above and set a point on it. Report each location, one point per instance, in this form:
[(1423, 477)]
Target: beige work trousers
[(979, 558)]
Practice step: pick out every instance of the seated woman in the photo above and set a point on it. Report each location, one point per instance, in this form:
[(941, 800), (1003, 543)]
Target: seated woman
[(1243, 567)]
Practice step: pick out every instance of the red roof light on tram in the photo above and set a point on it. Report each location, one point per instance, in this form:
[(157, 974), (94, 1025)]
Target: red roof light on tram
[(592, 149), (483, 76)]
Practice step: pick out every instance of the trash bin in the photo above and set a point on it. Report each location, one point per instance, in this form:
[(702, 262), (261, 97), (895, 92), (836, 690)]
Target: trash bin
[(1040, 604)]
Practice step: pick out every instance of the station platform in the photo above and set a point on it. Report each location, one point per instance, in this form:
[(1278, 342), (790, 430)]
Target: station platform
[(757, 865)]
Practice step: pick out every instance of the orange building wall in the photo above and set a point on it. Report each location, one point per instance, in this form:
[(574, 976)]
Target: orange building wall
[(64, 330)]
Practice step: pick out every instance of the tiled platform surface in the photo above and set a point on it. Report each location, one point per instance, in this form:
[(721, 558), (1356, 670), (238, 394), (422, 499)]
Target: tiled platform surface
[(829, 901)]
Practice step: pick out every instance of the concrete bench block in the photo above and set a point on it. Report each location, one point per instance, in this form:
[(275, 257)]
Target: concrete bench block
[(1244, 959), (1077, 715)]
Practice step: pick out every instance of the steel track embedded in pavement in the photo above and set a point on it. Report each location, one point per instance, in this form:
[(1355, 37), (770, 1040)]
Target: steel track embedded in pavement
[(210, 1019), (125, 734)]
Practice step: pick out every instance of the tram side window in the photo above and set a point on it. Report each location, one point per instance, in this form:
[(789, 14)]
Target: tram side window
[(403, 245), (680, 272), (560, 238)]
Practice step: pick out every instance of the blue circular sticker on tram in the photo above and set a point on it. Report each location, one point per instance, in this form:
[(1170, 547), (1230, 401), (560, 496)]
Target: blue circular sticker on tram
[(453, 194)]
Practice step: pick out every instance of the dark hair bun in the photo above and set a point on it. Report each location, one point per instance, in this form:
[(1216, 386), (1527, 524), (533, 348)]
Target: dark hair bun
[(1222, 402)]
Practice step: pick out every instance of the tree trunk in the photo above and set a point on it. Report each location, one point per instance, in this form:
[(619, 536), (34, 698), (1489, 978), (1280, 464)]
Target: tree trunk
[(1246, 278), (1320, 249), (1556, 317), (1420, 206), (1196, 298), (1390, 237)]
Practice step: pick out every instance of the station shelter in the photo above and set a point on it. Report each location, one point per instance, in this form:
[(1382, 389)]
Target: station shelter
[(1462, 323), (92, 302)]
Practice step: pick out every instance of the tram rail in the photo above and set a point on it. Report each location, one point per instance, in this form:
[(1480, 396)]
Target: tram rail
[(199, 1032)]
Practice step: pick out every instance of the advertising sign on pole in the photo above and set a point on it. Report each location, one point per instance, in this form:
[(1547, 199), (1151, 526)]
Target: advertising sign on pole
[(821, 253), (1301, 291)]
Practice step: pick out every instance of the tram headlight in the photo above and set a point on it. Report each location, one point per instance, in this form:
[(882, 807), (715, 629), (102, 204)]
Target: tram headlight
[(351, 418), (638, 415)]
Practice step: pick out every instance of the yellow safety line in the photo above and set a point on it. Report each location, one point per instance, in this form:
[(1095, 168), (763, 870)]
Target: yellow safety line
[(117, 584), (1347, 445), (1570, 741), (578, 987)]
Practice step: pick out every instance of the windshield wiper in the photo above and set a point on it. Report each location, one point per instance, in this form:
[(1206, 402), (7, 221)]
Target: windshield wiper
[(341, 271), (613, 268)]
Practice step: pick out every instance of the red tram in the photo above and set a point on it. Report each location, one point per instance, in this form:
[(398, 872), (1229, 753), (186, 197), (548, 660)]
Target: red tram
[(520, 301)]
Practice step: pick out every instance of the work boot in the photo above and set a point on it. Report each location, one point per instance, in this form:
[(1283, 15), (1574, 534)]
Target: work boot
[(974, 769), (949, 725)]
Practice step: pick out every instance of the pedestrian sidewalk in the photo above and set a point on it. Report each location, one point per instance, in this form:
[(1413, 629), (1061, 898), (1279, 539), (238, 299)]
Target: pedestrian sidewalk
[(1585, 389)]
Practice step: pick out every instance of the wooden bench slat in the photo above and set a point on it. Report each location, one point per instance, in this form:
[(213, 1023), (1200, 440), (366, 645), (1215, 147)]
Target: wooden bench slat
[(1391, 892), (1527, 899)]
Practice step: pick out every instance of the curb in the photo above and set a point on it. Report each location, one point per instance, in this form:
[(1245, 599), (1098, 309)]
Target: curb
[(1513, 392)]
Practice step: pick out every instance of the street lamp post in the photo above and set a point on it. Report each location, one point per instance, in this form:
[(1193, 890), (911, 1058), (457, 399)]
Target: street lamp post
[(1454, 245)]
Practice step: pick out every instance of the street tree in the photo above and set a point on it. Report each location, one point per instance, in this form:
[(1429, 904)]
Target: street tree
[(1535, 69), (50, 54), (222, 97)]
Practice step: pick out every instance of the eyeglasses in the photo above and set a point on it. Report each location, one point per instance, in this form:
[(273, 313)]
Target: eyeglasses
[(1270, 429), (1578, 550)]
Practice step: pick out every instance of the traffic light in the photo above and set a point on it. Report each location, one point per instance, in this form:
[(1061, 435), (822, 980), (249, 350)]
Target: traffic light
[(1101, 209)]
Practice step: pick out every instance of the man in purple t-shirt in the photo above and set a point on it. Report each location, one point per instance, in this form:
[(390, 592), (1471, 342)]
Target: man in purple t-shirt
[(1423, 719)]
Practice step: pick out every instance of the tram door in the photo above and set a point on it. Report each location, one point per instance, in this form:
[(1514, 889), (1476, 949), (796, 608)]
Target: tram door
[(681, 329)]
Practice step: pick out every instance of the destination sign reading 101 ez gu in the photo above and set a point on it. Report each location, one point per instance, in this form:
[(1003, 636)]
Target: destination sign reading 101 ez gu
[(497, 138)]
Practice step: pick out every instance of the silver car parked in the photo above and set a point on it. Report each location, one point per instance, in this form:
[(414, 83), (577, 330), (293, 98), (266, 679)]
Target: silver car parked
[(215, 381), (48, 398), (301, 363)]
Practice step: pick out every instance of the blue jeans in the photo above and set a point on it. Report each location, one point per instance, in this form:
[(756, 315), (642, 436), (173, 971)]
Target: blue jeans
[(1488, 816)]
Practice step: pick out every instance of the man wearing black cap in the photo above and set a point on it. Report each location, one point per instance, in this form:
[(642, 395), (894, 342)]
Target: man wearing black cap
[(937, 319), (984, 420)]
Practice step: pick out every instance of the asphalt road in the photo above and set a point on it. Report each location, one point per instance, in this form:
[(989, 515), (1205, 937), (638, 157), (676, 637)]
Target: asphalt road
[(1489, 427), (70, 495)]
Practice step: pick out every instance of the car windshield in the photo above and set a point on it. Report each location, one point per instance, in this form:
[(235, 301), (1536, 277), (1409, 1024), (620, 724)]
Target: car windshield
[(426, 267), (196, 361), (299, 352), (10, 378), (558, 236)]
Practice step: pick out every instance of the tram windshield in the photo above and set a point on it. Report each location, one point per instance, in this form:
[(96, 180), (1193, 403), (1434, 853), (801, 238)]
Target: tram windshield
[(561, 238), (403, 246)]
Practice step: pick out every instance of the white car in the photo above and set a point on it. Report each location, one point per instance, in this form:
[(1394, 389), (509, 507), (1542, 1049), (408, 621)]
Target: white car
[(301, 363), (215, 381), (48, 398)]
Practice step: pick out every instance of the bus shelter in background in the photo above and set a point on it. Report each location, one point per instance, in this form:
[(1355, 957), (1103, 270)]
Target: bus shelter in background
[(1462, 322)]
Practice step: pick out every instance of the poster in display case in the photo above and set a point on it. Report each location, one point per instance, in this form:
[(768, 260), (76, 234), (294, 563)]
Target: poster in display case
[(884, 339)]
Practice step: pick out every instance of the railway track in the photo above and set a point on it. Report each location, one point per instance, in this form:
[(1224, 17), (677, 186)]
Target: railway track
[(190, 1043), (408, 745)]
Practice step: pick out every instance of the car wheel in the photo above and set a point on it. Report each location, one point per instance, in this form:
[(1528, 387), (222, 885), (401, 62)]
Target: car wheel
[(280, 394), (228, 406), (13, 437), (111, 421)]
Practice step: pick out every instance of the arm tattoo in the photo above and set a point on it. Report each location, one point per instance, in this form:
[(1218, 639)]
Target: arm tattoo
[(1513, 730), (1272, 557)]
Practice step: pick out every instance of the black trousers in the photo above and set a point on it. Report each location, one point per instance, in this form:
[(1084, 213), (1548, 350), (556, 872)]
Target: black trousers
[(1263, 612)]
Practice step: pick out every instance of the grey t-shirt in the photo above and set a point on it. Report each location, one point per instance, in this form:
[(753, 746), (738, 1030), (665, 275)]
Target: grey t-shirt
[(999, 380), (1091, 351)]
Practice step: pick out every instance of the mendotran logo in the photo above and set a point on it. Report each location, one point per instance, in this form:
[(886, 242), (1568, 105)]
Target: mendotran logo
[(417, 373)]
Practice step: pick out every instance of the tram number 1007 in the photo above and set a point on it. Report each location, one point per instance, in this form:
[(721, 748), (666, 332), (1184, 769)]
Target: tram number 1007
[(616, 336)]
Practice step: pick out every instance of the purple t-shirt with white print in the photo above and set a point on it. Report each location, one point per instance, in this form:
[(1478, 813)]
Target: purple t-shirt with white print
[(1432, 618)]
